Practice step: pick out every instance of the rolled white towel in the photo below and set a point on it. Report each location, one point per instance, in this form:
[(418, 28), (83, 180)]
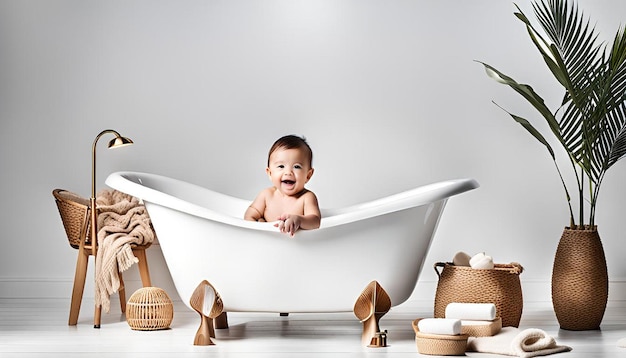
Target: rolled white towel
[(471, 311), (446, 326), (461, 259), (481, 261)]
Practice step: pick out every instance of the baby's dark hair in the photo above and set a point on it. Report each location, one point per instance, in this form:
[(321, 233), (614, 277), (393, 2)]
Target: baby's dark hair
[(291, 142)]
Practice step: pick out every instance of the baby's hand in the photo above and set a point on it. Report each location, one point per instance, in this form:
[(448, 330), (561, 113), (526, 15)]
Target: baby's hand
[(288, 224)]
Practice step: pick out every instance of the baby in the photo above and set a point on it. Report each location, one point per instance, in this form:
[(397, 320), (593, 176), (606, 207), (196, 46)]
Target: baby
[(289, 166)]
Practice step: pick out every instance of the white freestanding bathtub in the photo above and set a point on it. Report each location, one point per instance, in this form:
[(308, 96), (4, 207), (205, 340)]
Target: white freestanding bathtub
[(255, 268)]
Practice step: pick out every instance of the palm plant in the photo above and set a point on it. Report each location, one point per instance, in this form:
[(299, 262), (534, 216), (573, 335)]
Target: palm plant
[(590, 123)]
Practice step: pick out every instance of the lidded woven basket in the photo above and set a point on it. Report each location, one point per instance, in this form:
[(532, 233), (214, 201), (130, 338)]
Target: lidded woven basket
[(149, 309), (439, 344)]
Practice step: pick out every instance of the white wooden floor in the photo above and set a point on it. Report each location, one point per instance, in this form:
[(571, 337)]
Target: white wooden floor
[(38, 328)]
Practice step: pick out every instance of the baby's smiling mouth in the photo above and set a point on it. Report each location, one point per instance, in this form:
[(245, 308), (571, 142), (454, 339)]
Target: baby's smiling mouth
[(288, 182)]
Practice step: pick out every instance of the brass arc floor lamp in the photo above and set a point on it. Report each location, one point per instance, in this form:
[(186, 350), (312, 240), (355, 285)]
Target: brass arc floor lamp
[(116, 142)]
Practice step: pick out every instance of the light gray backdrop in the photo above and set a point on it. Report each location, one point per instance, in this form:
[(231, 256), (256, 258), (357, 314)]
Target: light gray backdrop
[(387, 93)]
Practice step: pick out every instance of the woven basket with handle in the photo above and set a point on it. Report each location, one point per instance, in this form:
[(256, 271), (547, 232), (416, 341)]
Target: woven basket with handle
[(500, 286)]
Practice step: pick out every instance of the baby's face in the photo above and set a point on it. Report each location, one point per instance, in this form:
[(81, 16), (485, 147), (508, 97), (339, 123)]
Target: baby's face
[(289, 170)]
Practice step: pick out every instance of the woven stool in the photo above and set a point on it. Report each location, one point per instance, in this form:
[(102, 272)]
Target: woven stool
[(149, 309)]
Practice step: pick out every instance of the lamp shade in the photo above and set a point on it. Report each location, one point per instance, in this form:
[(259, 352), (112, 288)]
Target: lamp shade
[(119, 141)]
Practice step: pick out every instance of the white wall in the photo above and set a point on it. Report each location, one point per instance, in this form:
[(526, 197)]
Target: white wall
[(387, 93)]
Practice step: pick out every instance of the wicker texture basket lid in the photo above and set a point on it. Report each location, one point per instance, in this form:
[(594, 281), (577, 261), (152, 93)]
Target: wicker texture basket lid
[(148, 309)]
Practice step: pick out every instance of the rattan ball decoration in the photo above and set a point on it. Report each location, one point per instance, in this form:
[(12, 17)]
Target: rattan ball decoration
[(149, 309)]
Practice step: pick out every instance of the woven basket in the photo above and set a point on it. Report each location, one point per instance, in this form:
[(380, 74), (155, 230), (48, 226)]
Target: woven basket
[(149, 309), (500, 286), (74, 211), (439, 344)]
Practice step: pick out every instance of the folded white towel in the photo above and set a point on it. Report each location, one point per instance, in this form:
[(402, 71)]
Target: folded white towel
[(471, 311), (461, 259), (481, 261), (440, 326), (511, 341)]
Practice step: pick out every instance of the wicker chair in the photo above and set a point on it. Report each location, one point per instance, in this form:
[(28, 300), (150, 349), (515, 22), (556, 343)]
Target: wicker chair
[(75, 214)]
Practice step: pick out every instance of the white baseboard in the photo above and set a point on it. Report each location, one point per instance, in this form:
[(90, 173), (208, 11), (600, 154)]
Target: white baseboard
[(29, 288), (46, 287)]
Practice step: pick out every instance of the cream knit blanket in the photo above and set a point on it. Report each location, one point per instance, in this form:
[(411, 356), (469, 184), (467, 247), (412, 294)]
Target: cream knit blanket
[(122, 221)]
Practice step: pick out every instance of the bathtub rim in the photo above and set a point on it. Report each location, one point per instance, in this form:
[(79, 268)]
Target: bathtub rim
[(421, 195)]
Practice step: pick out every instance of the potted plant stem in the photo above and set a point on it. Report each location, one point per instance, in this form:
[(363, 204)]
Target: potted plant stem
[(590, 125)]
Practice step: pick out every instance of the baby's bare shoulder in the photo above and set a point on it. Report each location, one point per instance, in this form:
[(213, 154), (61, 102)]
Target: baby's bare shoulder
[(308, 195), (268, 191)]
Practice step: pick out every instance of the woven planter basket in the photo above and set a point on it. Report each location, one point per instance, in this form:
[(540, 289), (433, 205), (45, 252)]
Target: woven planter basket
[(580, 286), (500, 286), (149, 309), (439, 344)]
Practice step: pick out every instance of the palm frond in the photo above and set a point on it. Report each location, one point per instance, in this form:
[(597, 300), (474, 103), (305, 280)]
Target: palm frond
[(590, 123), (616, 103), (585, 100)]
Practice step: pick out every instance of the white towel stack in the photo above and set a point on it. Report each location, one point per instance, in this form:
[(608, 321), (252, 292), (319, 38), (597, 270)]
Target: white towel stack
[(441, 326), (457, 315), (477, 319)]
